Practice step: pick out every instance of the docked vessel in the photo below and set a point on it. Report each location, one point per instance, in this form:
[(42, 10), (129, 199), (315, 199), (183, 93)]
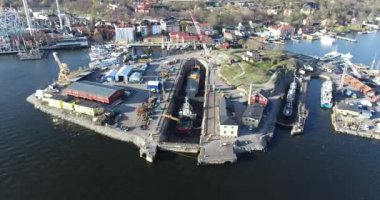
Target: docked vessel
[(68, 42), (186, 117), (331, 56), (192, 85), (326, 94), (327, 40), (33, 54), (290, 97)]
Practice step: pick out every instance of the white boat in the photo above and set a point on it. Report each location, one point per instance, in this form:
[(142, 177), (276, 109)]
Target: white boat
[(331, 56), (327, 40), (308, 68), (290, 97), (326, 94)]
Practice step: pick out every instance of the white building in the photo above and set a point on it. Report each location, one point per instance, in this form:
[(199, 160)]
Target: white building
[(143, 29), (156, 29), (228, 126), (125, 34)]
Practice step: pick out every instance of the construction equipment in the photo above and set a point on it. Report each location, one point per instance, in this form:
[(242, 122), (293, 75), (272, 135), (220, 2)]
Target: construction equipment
[(164, 74), (64, 70), (207, 52), (171, 117)]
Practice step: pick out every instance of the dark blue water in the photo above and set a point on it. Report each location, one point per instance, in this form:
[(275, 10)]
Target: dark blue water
[(42, 159)]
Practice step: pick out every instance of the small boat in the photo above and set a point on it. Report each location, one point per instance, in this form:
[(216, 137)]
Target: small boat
[(290, 97), (308, 68), (326, 94)]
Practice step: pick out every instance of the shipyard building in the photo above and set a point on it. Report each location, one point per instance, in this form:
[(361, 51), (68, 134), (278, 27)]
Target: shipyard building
[(95, 91), (228, 126)]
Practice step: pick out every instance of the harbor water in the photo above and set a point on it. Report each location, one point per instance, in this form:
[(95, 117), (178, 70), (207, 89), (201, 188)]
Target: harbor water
[(46, 158)]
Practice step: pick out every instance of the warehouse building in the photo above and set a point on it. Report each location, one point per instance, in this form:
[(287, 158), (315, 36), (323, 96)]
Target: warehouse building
[(123, 73), (72, 104), (95, 91)]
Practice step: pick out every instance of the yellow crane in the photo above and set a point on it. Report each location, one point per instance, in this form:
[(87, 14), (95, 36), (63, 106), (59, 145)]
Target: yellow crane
[(171, 117), (64, 70)]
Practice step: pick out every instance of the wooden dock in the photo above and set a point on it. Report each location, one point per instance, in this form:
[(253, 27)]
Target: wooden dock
[(346, 39)]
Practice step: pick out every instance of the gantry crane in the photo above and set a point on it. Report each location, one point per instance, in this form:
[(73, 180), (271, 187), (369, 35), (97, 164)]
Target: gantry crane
[(64, 70)]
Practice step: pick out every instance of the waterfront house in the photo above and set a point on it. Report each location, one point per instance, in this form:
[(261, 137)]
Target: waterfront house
[(228, 126), (182, 37), (309, 8), (281, 30), (125, 33), (155, 39), (170, 24)]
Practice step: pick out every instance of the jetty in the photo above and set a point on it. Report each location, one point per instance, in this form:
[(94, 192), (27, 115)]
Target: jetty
[(346, 39)]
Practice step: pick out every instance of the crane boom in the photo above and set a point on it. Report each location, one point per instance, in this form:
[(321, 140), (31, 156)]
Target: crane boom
[(171, 117), (63, 69), (199, 34)]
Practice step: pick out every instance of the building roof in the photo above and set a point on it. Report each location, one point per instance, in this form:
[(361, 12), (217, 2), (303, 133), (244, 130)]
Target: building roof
[(254, 111), (224, 116), (94, 88), (344, 106), (125, 70)]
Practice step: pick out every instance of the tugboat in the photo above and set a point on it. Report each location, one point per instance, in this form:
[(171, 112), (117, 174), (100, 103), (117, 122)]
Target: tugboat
[(326, 94), (288, 109), (186, 117), (192, 85)]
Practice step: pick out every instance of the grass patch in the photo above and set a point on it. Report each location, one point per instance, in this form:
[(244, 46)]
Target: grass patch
[(243, 73)]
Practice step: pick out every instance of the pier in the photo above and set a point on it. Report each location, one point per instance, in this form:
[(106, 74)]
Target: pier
[(346, 39)]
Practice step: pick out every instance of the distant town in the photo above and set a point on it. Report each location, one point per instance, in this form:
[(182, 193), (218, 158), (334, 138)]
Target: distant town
[(195, 80)]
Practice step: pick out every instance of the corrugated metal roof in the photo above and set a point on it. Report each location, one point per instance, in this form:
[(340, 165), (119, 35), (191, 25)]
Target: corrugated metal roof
[(94, 88), (125, 70), (111, 73)]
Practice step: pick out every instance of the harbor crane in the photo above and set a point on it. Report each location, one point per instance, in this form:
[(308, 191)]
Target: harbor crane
[(64, 70), (207, 52)]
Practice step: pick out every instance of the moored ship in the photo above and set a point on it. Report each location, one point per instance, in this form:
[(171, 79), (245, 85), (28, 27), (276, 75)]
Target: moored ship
[(33, 54), (192, 85), (186, 117), (290, 97), (326, 94)]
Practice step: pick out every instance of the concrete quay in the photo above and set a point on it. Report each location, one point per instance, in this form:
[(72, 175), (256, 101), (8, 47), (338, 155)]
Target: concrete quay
[(148, 147), (218, 150)]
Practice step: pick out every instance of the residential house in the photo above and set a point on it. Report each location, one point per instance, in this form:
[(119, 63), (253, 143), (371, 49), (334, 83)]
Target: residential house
[(204, 27), (228, 126), (282, 30), (182, 37), (156, 39), (170, 24), (143, 7), (309, 8), (125, 33)]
